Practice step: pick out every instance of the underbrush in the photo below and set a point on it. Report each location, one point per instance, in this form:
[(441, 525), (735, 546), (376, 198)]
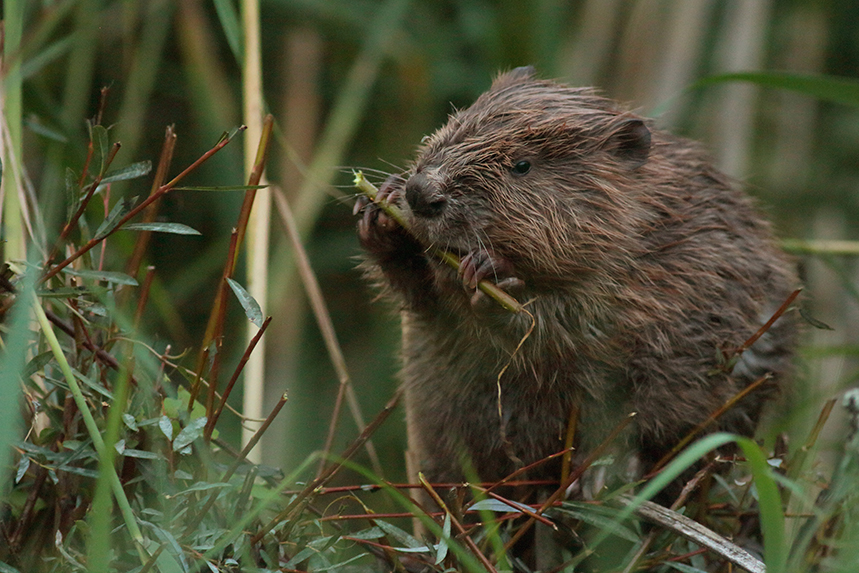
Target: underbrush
[(119, 465)]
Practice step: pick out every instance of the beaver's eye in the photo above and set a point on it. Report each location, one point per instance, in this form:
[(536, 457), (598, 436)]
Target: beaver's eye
[(521, 167)]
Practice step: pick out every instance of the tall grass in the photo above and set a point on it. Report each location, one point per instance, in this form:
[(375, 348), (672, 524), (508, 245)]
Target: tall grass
[(118, 455)]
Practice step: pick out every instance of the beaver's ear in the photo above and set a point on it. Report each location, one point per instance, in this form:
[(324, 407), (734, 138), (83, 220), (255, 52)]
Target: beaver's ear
[(630, 142), (514, 76)]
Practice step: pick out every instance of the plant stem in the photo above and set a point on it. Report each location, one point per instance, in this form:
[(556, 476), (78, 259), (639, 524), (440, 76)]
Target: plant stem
[(448, 258), (92, 429)]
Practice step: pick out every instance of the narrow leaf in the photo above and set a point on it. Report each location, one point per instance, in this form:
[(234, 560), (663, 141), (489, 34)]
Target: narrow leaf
[(827, 88), (129, 421), (200, 486), (100, 146), (132, 171), (189, 433), (401, 536), (229, 19), (72, 193), (71, 292), (251, 306), (23, 466), (36, 364), (166, 426), (175, 228), (142, 454), (32, 123), (119, 211), (106, 276)]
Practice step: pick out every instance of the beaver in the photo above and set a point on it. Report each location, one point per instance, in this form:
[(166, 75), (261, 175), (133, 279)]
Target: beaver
[(640, 265)]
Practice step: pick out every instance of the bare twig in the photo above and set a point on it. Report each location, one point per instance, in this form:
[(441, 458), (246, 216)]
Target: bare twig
[(163, 190), (456, 524), (695, 532), (303, 498), (448, 258), (323, 319)]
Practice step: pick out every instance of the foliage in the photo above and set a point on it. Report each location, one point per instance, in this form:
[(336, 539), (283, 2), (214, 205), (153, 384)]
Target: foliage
[(125, 458)]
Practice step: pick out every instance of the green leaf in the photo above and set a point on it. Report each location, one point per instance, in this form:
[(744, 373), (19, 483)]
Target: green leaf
[(369, 533), (400, 535), (166, 426), (200, 486), (302, 555), (442, 543), (119, 211), (100, 146), (251, 306), (683, 567), (36, 364), (497, 505), (827, 88), (72, 193), (142, 454), (598, 519), (189, 433), (89, 382), (23, 466), (776, 549), (132, 171), (32, 123), (71, 292), (229, 19), (106, 276), (4, 568), (175, 228)]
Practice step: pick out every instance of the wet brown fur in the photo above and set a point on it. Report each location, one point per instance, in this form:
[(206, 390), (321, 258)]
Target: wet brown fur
[(641, 263)]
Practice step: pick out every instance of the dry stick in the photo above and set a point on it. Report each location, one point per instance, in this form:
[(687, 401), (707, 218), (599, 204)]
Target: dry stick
[(694, 532), (518, 506), (572, 425), (144, 296), (448, 258), (326, 327), (303, 498), (802, 453), (508, 479), (781, 310), (100, 353), (455, 522), (245, 212), (592, 457), (730, 403), (212, 337), (218, 338), (232, 257), (163, 190), (87, 161), (678, 503), (151, 212), (210, 425), (72, 223), (377, 487), (192, 527)]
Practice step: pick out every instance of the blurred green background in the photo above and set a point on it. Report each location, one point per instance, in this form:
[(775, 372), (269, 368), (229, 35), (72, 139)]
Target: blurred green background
[(172, 62)]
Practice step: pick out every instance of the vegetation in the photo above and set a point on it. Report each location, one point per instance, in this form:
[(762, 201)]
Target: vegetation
[(123, 348)]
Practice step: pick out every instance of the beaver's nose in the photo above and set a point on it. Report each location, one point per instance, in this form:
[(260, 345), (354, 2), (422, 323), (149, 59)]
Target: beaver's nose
[(424, 196)]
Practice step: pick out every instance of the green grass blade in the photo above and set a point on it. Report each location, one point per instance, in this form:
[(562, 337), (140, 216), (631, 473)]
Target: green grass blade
[(229, 19), (827, 88), (12, 364)]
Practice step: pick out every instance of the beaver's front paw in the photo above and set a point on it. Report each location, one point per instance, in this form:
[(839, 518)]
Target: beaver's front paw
[(378, 232), (486, 265)]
